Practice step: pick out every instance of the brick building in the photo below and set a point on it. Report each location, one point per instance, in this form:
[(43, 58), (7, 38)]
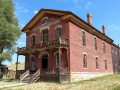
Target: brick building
[(115, 58), (63, 47)]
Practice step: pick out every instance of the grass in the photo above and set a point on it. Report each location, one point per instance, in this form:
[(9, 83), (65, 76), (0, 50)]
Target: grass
[(13, 66), (108, 82), (8, 81)]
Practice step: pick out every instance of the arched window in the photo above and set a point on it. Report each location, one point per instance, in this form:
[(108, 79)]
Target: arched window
[(84, 60), (105, 64), (97, 65), (33, 40), (44, 20), (95, 43), (45, 35), (58, 32), (83, 38), (104, 49)]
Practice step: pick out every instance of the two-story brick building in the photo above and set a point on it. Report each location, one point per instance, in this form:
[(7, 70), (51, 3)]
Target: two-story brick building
[(63, 47)]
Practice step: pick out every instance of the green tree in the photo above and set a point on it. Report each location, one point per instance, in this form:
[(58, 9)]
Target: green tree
[(9, 30)]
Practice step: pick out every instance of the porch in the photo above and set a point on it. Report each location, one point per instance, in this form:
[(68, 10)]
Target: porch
[(52, 74)]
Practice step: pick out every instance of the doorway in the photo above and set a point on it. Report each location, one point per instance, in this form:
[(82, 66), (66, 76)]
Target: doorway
[(45, 61)]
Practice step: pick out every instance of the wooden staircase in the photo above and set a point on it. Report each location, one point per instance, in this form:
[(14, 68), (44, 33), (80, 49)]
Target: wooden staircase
[(30, 78)]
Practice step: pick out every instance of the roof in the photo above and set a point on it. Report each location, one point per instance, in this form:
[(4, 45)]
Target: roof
[(65, 15)]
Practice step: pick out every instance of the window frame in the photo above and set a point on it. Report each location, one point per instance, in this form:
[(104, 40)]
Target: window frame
[(97, 62), (95, 43), (83, 39), (33, 39), (43, 20), (105, 62), (104, 47), (45, 35), (84, 61)]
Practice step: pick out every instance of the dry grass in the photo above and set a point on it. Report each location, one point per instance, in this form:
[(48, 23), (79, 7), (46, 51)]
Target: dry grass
[(13, 66), (108, 82), (8, 81)]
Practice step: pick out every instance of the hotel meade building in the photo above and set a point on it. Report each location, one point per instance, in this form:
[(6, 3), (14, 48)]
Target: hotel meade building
[(63, 47)]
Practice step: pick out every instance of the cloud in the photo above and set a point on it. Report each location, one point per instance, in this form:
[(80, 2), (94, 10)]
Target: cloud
[(78, 6), (35, 12), (88, 4), (113, 27), (75, 1), (20, 8), (62, 1)]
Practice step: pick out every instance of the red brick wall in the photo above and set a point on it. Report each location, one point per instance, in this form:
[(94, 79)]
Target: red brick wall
[(77, 50), (115, 58), (51, 36)]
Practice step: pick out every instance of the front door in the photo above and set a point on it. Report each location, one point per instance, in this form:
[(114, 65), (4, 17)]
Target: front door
[(45, 61), (32, 62)]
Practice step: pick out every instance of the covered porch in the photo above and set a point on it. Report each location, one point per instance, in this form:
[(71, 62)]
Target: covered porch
[(46, 67)]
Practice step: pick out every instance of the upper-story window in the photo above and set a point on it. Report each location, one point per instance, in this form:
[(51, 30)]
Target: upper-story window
[(44, 20), (95, 43), (58, 32), (104, 49), (33, 40), (45, 35), (97, 65), (84, 60), (105, 64), (83, 38)]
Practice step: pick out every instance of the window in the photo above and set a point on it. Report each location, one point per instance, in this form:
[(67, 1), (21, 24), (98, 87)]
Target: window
[(45, 35), (57, 59), (84, 61), (58, 32), (45, 20), (95, 43), (97, 66), (33, 40), (106, 64), (83, 38), (104, 50)]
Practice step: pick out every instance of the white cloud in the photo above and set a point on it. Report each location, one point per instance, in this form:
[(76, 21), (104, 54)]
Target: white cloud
[(75, 1), (88, 4), (62, 1), (78, 6), (20, 8), (113, 27), (35, 12)]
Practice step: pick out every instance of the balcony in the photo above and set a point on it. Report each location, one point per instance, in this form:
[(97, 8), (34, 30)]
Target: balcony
[(43, 46)]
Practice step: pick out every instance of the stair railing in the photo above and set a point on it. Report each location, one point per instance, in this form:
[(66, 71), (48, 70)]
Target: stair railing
[(22, 76), (34, 76)]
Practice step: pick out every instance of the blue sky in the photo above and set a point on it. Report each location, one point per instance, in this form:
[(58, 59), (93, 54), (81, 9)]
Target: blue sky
[(104, 12)]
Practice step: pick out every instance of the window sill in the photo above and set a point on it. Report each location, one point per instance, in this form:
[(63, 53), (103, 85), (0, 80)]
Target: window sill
[(84, 68)]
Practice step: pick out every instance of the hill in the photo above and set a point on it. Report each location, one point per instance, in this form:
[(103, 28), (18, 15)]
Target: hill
[(13, 66)]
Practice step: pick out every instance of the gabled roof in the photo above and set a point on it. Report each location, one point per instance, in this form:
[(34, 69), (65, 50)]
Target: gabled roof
[(66, 15)]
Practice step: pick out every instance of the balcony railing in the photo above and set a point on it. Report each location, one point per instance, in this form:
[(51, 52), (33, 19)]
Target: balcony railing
[(44, 44)]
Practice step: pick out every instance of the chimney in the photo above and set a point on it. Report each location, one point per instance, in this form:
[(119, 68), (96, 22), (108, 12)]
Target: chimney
[(89, 18), (104, 29)]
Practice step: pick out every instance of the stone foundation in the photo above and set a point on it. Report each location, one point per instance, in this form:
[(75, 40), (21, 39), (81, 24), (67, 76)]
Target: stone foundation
[(77, 76)]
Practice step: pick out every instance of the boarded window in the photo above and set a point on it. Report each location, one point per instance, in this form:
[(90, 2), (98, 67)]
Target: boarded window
[(84, 61)]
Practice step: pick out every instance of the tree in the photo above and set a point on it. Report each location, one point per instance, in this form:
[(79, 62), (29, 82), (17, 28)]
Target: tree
[(9, 31)]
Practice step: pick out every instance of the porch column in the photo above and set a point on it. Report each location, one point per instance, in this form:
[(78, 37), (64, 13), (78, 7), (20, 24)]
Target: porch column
[(17, 60), (60, 64)]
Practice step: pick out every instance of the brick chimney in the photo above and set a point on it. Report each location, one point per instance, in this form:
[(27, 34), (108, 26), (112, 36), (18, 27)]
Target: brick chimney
[(89, 18), (104, 29)]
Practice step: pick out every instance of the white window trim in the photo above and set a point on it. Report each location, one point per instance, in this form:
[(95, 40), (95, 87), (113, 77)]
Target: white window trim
[(43, 19), (58, 26)]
